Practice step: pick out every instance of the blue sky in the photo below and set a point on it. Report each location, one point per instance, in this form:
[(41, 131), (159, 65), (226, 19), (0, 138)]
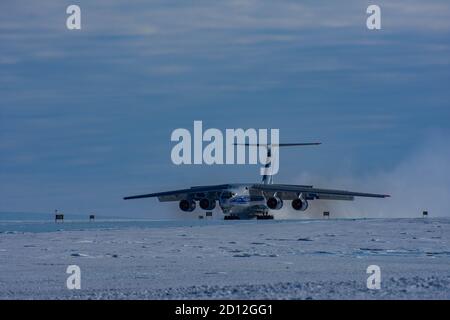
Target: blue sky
[(86, 116)]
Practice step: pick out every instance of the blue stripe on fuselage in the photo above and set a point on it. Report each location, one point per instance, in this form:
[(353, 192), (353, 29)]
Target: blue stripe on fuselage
[(240, 199)]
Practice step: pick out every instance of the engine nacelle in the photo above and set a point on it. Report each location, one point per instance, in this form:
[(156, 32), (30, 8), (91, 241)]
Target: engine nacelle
[(187, 205), (300, 204), (207, 204), (274, 203)]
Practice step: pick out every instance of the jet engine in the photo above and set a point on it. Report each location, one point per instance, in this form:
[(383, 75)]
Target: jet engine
[(300, 204), (274, 203), (187, 205), (207, 204)]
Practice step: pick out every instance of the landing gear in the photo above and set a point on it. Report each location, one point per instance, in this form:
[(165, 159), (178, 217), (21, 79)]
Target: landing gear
[(231, 217), (264, 217)]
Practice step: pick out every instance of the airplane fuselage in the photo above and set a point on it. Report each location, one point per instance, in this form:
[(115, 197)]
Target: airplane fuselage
[(237, 201)]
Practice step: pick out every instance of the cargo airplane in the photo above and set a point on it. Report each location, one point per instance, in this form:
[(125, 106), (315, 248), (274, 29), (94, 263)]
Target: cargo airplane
[(253, 200)]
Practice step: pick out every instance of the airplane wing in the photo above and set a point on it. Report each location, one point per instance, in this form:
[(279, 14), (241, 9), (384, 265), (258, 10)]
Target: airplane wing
[(291, 192), (194, 193)]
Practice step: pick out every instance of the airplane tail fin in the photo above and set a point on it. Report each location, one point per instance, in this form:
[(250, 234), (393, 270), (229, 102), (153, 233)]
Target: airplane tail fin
[(268, 177)]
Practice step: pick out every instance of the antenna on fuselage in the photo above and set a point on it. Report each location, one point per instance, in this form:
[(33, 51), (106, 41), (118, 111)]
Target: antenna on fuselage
[(268, 177)]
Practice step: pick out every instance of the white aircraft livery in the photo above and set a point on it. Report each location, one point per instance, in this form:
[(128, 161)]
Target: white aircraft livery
[(253, 200)]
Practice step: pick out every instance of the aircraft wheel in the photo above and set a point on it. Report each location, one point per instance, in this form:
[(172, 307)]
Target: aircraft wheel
[(265, 217), (231, 217)]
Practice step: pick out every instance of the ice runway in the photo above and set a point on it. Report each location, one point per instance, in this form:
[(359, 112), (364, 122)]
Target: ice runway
[(302, 259)]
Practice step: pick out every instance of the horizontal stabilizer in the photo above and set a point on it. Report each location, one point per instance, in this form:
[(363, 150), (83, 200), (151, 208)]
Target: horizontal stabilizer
[(278, 144)]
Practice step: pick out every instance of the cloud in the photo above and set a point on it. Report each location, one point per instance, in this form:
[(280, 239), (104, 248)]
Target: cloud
[(135, 72)]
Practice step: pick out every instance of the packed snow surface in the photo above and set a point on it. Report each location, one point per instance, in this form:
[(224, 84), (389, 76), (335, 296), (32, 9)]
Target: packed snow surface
[(289, 259)]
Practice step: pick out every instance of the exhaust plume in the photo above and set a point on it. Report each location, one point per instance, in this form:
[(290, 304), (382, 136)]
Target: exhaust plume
[(420, 182)]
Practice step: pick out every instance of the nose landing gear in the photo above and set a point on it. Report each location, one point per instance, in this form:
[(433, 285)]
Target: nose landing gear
[(264, 217), (231, 217)]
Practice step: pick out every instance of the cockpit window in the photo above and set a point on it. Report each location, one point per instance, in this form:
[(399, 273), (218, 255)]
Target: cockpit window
[(227, 194)]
